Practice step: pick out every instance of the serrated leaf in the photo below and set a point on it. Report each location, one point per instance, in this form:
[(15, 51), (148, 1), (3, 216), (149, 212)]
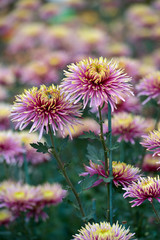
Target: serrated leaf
[(41, 147), (94, 154), (107, 180), (90, 135), (88, 181)]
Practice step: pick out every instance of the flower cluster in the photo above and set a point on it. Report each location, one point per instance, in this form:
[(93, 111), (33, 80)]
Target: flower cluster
[(145, 188), (103, 231), (123, 174), (44, 106), (97, 80), (20, 198)]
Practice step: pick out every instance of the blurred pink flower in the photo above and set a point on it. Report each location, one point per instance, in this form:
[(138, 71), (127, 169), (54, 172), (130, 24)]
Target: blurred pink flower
[(150, 86), (150, 163), (10, 148), (152, 142), (128, 127)]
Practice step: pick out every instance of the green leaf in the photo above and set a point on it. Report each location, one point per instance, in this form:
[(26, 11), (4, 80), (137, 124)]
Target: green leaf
[(94, 154), (41, 147), (88, 181), (107, 180), (90, 135)]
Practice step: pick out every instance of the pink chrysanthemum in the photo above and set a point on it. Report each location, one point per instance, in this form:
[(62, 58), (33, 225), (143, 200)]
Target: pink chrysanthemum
[(145, 188), (150, 86), (44, 106), (48, 195), (32, 155), (128, 127), (11, 149), (18, 198), (103, 230), (152, 142), (151, 163), (97, 80), (123, 174)]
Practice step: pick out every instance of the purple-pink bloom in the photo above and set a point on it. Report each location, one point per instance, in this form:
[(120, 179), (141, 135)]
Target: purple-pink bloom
[(123, 174), (150, 86), (44, 106), (152, 142), (96, 80), (147, 188)]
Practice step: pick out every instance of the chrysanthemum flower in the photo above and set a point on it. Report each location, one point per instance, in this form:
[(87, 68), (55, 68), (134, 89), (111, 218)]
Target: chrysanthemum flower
[(10, 147), (128, 127), (6, 76), (32, 155), (38, 72), (18, 198), (103, 230), (5, 110), (51, 194), (47, 105), (145, 188), (97, 80), (151, 163), (87, 124), (150, 86), (5, 217), (152, 142), (123, 174)]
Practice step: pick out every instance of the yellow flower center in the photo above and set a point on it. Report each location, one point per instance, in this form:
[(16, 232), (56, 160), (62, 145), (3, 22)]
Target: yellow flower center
[(54, 61), (39, 69), (19, 195), (4, 215), (48, 194), (103, 233), (125, 121), (146, 184), (98, 72)]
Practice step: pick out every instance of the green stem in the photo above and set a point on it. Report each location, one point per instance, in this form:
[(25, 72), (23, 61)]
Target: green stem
[(102, 139), (110, 165), (156, 213), (62, 168)]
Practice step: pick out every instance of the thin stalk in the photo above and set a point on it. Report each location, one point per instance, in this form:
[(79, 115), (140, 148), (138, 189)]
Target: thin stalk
[(62, 168), (110, 165), (156, 213), (102, 139)]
